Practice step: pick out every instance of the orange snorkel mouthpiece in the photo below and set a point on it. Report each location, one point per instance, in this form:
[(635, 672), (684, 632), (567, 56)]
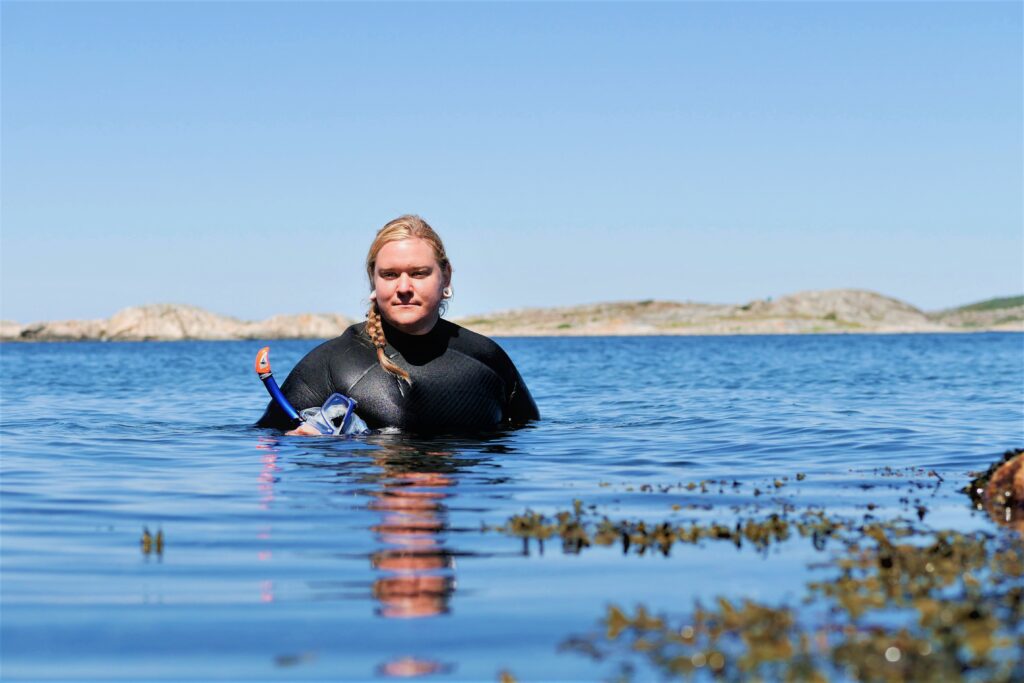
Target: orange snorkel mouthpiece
[(263, 362)]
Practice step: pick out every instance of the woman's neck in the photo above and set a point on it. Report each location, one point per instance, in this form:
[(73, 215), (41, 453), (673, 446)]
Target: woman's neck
[(418, 329), (418, 348)]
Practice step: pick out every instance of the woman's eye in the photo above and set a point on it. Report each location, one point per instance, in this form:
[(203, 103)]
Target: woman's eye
[(388, 276)]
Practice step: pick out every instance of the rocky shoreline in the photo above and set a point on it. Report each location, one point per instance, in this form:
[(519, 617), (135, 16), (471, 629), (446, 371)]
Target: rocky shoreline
[(813, 312), (176, 322), (830, 311)]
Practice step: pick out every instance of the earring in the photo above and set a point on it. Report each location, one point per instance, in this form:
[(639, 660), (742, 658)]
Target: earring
[(447, 292)]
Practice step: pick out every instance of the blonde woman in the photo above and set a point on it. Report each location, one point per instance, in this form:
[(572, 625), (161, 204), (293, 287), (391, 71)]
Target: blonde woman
[(406, 366)]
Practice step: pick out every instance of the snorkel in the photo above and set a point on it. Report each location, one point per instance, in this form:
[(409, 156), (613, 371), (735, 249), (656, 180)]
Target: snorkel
[(267, 377), (336, 416)]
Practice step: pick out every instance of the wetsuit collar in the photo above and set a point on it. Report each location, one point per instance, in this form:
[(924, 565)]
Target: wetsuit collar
[(418, 348)]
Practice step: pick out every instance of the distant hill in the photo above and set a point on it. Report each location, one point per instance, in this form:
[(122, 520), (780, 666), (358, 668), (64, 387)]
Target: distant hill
[(994, 304), (990, 313), (173, 322), (835, 310)]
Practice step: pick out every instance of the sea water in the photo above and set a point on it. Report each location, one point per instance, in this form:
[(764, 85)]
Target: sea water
[(149, 531)]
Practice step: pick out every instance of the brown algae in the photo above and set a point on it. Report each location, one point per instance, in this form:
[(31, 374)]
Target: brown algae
[(898, 601), (959, 599), (581, 529)]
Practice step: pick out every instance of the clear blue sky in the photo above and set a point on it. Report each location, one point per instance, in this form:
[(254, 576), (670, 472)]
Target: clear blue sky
[(239, 156)]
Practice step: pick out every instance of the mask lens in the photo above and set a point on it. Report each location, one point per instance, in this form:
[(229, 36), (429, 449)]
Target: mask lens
[(337, 410), (314, 417)]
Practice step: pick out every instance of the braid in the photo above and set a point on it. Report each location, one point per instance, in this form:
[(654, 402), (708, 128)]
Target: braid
[(375, 332)]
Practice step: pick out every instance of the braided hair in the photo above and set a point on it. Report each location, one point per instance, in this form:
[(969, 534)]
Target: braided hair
[(375, 331), (403, 227)]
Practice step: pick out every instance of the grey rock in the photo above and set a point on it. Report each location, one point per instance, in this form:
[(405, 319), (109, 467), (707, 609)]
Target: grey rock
[(835, 311), (170, 322), (1009, 318), (844, 308), (300, 326), (63, 330), (175, 322), (10, 330)]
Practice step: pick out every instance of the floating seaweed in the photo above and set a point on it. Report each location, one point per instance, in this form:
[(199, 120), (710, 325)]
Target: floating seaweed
[(150, 543), (951, 609), (904, 602), (580, 528)]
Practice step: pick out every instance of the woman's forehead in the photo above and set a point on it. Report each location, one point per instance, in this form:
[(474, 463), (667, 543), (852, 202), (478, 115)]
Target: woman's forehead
[(412, 251)]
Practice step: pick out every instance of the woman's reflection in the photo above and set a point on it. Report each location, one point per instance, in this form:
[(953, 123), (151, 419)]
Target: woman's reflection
[(417, 569), (409, 485)]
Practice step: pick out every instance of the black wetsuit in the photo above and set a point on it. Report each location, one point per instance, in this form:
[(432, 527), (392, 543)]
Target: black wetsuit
[(461, 381)]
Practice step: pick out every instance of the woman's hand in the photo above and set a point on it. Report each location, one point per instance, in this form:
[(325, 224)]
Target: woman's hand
[(303, 430)]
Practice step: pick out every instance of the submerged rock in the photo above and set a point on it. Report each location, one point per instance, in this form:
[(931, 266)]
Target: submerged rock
[(1007, 483), (1000, 490)]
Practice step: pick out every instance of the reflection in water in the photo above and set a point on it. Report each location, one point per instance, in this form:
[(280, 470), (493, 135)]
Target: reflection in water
[(416, 567), (408, 484), (267, 478), (408, 667), (418, 571)]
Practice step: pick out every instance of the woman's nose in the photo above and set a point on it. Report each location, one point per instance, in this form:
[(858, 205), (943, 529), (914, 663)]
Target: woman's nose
[(404, 282)]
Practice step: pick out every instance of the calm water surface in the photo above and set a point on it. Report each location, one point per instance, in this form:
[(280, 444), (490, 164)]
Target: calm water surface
[(291, 558)]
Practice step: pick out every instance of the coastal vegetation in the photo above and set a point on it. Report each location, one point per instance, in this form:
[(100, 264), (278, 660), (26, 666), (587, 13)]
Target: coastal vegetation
[(1002, 311), (993, 304)]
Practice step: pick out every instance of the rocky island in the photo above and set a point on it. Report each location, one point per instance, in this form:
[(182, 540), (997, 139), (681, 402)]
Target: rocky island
[(811, 312), (176, 322)]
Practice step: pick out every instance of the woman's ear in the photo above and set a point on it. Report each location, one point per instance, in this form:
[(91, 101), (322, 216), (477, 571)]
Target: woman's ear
[(373, 295), (448, 276)]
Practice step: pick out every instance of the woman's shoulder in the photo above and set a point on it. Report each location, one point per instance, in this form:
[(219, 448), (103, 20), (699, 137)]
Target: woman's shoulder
[(353, 337), (475, 344), (353, 332)]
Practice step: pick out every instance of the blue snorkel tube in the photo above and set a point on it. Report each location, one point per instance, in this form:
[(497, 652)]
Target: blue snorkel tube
[(336, 416), (267, 377)]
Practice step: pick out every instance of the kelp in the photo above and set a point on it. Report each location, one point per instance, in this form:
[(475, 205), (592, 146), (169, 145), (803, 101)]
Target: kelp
[(583, 528), (950, 610), (898, 601)]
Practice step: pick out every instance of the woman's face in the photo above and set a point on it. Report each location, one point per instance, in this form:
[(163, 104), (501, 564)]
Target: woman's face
[(408, 282)]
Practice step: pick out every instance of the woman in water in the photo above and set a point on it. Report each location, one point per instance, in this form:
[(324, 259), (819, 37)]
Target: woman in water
[(406, 366)]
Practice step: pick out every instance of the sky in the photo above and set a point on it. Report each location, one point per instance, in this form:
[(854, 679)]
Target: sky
[(240, 156)]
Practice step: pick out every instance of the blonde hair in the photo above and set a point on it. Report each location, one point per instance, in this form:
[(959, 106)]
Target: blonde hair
[(402, 228)]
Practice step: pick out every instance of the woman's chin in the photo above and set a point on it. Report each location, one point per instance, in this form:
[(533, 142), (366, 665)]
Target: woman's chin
[(411, 320)]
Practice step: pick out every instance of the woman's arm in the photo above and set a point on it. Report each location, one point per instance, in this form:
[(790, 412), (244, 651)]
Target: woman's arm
[(521, 406)]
